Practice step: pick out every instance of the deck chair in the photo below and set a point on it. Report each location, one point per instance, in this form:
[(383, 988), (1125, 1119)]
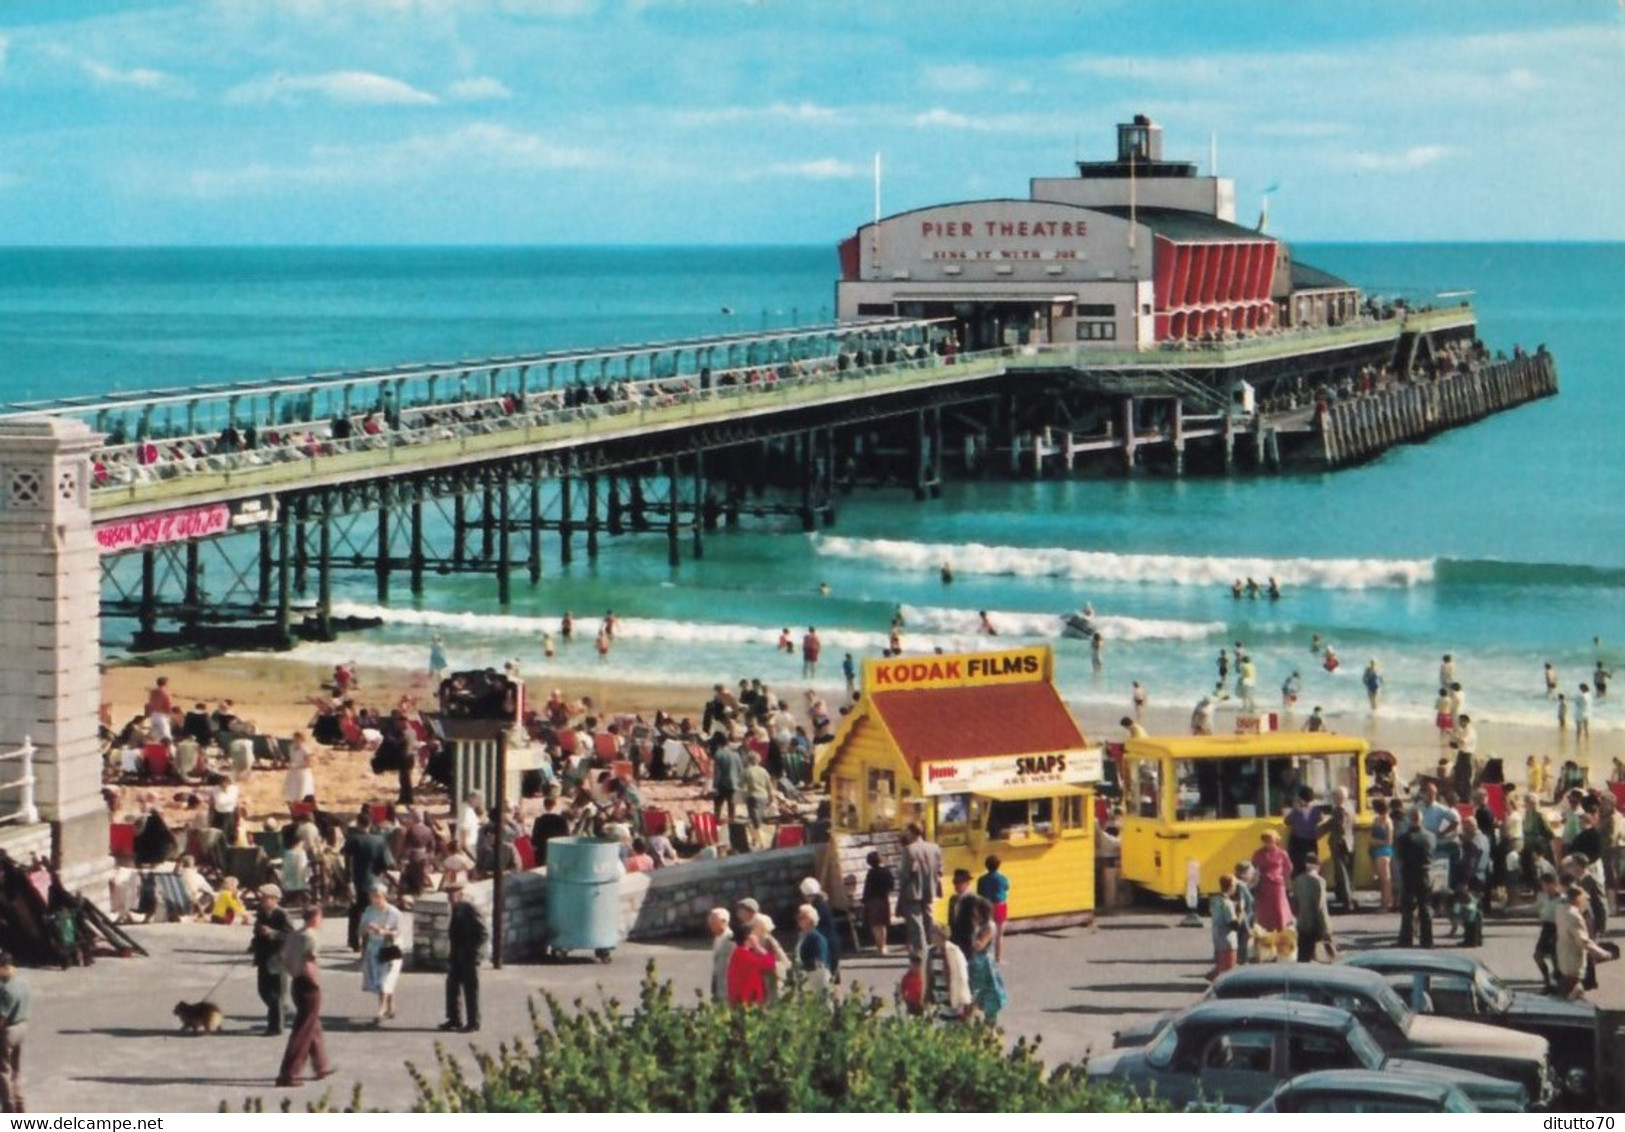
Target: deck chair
[(525, 851), (269, 842), (790, 836), (156, 758), (702, 826)]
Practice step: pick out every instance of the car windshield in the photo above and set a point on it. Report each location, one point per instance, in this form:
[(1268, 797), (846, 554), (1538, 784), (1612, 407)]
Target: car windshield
[(1365, 1047), (1492, 990), (1161, 1050), (1391, 1004)]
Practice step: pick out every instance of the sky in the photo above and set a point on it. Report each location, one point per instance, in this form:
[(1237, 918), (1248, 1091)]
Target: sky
[(757, 121)]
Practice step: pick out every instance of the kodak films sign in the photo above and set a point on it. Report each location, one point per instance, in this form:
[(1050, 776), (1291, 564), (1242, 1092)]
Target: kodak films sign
[(1013, 666), (1004, 772)]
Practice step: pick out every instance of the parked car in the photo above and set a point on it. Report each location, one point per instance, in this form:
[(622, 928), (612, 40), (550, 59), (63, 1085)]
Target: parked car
[(1234, 1054), (1400, 1031), (1360, 1090), (1453, 985)]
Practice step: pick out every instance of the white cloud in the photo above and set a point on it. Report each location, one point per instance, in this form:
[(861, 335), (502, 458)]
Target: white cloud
[(943, 119), (823, 169), (481, 89), (1413, 158), (778, 111), (1309, 129), (351, 88), (958, 78), (478, 146), (143, 78)]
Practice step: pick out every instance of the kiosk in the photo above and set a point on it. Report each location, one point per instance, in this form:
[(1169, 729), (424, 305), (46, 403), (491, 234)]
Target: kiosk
[(980, 750), (1208, 799)]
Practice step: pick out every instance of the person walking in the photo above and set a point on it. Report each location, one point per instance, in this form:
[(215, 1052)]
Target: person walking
[(994, 887), (271, 928), (727, 774), (381, 951), (1314, 919), (986, 984), (305, 1042), (1372, 679), (878, 885), (299, 783), (1225, 926), (468, 934), (810, 648), (919, 886), (16, 998), (1582, 712), (757, 787), (369, 857), (1413, 850), (1340, 831), (1273, 866), (719, 923), (812, 951)]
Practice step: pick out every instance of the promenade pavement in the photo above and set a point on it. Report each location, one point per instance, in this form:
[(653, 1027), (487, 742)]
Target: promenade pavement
[(105, 1039)]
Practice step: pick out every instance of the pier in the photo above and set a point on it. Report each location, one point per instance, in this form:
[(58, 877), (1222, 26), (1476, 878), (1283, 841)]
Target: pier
[(222, 513)]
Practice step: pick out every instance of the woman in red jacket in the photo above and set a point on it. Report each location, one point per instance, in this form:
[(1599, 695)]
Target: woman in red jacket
[(748, 968)]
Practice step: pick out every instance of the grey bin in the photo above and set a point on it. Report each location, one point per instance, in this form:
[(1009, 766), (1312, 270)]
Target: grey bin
[(583, 894)]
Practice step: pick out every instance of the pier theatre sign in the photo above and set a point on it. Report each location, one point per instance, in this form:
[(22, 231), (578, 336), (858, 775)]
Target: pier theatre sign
[(141, 531)]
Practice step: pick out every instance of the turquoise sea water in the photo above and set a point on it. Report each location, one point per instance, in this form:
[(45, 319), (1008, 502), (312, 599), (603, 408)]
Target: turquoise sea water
[(1503, 543)]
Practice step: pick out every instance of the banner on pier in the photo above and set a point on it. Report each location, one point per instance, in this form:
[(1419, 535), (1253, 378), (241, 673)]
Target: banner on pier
[(183, 525)]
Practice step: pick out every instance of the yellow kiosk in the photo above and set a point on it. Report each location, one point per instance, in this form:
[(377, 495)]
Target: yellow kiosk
[(981, 750), (1207, 799)]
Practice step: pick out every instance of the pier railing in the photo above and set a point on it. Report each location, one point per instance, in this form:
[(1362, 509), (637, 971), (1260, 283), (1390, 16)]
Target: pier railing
[(17, 789), (1355, 429)]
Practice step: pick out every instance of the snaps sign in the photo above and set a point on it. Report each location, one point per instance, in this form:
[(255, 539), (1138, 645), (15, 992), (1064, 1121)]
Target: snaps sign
[(1002, 772)]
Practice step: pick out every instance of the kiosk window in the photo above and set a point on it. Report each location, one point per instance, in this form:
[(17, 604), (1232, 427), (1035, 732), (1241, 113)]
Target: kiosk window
[(1008, 819), (845, 797), (1072, 811), (1213, 789), (1288, 774), (953, 813), (1147, 778), (882, 799)]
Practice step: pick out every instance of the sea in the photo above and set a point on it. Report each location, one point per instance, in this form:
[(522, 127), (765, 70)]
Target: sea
[(1502, 544)]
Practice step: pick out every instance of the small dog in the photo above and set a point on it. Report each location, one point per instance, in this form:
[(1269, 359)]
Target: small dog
[(199, 1017)]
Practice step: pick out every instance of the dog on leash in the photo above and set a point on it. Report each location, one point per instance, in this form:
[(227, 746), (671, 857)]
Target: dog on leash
[(199, 1017)]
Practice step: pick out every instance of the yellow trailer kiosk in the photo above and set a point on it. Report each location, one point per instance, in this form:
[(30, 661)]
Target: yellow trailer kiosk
[(1207, 799), (980, 749)]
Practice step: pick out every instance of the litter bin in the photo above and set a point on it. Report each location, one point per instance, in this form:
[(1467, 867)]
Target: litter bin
[(583, 896)]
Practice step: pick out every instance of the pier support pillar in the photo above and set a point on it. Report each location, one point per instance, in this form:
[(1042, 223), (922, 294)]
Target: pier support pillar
[(265, 564), (674, 554), (1229, 444), (809, 476), (919, 454), (534, 563), (936, 452), (193, 603), (284, 603), (592, 518), (504, 537), (565, 529), (1131, 438), (459, 530), (640, 517), (616, 522), (829, 477), (1178, 416), (324, 573), (301, 550), (703, 520), (147, 617), (414, 553), (50, 611), (382, 564)]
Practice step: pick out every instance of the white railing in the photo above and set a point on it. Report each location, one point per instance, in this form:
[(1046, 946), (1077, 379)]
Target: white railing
[(23, 785)]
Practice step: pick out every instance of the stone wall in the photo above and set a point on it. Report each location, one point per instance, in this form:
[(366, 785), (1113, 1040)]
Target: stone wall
[(667, 902)]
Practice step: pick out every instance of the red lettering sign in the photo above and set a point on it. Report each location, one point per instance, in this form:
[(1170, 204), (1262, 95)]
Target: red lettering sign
[(155, 530)]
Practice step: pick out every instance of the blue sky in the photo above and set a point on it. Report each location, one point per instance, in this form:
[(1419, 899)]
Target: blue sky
[(756, 121)]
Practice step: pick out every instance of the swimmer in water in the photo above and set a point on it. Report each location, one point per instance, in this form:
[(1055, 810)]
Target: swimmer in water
[(1235, 589), (1316, 645), (1274, 590), (785, 643), (1331, 662), (568, 625), (986, 627), (947, 573), (547, 645), (823, 589)]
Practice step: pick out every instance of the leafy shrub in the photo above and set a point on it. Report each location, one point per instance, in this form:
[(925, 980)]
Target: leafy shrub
[(800, 1055)]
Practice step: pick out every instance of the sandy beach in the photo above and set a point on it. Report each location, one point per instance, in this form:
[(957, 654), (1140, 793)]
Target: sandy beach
[(275, 693)]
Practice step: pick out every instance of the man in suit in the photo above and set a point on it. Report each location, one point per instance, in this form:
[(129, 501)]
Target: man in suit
[(271, 928), (468, 934), (919, 886), (305, 1040), (1309, 894), (370, 858), (1413, 850)]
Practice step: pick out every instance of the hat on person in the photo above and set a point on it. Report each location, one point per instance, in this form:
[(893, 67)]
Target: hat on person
[(270, 892), (962, 876), (748, 904), (810, 887), (1311, 859)]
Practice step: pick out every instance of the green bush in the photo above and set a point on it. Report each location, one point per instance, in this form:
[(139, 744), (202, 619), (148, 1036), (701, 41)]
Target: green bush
[(800, 1055)]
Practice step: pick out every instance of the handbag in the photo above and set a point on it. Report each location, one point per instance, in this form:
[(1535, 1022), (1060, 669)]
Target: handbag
[(389, 953)]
